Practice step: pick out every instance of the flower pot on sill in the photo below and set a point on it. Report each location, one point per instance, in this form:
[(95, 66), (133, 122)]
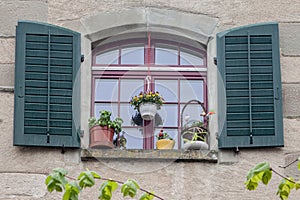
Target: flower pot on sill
[(165, 144), (101, 137), (148, 110)]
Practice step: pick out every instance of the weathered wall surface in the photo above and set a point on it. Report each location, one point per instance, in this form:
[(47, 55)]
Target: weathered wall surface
[(23, 169)]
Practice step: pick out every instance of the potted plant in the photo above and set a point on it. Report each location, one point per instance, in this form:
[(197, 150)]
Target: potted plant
[(164, 141), (147, 104), (103, 129), (195, 134)]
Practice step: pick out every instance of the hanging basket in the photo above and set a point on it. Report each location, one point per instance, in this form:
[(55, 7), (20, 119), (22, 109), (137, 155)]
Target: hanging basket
[(148, 110)]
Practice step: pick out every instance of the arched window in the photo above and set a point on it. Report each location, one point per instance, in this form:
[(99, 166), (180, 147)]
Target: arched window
[(120, 67)]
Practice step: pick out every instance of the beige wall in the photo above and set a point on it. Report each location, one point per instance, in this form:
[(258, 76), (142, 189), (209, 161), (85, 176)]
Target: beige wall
[(22, 168)]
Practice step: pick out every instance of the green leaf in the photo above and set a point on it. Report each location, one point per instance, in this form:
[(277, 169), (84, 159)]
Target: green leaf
[(261, 172), (87, 178), (299, 163), (56, 180), (106, 190), (146, 196), (297, 185), (284, 188), (61, 171), (72, 191), (129, 188)]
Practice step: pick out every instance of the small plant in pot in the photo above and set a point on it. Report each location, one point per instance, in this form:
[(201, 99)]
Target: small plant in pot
[(103, 129), (164, 141)]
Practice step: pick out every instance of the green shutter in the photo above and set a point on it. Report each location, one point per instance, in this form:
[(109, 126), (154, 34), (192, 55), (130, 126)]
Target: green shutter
[(249, 88), (47, 86)]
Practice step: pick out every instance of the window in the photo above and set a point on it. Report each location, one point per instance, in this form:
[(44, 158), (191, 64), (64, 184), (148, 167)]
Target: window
[(135, 61)]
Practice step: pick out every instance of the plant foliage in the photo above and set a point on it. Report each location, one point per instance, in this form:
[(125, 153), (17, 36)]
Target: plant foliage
[(58, 181)]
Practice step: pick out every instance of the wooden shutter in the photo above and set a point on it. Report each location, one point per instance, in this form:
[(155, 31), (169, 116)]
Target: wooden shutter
[(249, 97), (47, 86)]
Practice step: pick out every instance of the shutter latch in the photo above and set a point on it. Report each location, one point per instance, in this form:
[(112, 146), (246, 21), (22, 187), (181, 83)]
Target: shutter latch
[(48, 137), (251, 138)]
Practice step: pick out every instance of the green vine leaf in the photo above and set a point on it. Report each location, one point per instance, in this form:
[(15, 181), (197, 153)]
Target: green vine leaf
[(261, 172), (87, 178), (284, 188), (56, 180), (299, 163), (147, 196), (106, 189), (130, 188), (71, 192)]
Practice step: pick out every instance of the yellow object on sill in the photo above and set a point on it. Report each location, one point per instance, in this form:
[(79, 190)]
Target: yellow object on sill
[(165, 144)]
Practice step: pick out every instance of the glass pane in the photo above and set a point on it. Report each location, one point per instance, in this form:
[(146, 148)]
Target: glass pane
[(132, 55), (129, 115), (191, 113), (106, 90), (108, 57), (189, 57), (191, 89), (169, 115), (168, 89), (134, 137), (106, 106), (166, 55), (173, 133), (130, 88)]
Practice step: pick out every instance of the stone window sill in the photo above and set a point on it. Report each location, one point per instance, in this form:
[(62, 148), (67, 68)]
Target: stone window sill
[(152, 155)]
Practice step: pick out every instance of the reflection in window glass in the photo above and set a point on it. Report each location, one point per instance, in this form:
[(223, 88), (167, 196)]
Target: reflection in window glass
[(108, 57), (188, 57), (173, 133), (168, 89), (192, 112), (134, 138), (111, 107), (191, 89), (132, 55), (169, 115), (106, 90), (130, 87), (166, 56)]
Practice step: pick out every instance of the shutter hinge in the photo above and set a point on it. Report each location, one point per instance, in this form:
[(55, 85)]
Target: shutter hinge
[(63, 149), (48, 137), (251, 138), (215, 61), (82, 58)]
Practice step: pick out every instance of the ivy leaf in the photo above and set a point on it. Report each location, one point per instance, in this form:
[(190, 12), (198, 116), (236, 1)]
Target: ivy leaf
[(299, 163), (297, 185), (147, 196), (106, 189), (130, 188), (87, 178), (71, 192), (261, 172)]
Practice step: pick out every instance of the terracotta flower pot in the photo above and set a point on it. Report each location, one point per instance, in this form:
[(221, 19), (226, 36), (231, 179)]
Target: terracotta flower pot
[(165, 144), (148, 110), (101, 137)]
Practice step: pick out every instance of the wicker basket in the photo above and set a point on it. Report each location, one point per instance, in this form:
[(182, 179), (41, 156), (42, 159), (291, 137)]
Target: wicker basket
[(165, 144)]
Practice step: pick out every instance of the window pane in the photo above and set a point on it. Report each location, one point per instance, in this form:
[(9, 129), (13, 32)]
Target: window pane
[(169, 115), (189, 57), (134, 137), (132, 55), (168, 89), (127, 113), (130, 88), (108, 57), (113, 108), (173, 133), (106, 90), (166, 55), (192, 112), (191, 89)]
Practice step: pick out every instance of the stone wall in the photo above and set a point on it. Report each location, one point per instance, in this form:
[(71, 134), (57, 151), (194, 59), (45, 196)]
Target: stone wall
[(23, 169)]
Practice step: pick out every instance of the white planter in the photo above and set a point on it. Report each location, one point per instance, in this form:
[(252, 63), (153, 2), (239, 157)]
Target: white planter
[(195, 145), (148, 111)]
